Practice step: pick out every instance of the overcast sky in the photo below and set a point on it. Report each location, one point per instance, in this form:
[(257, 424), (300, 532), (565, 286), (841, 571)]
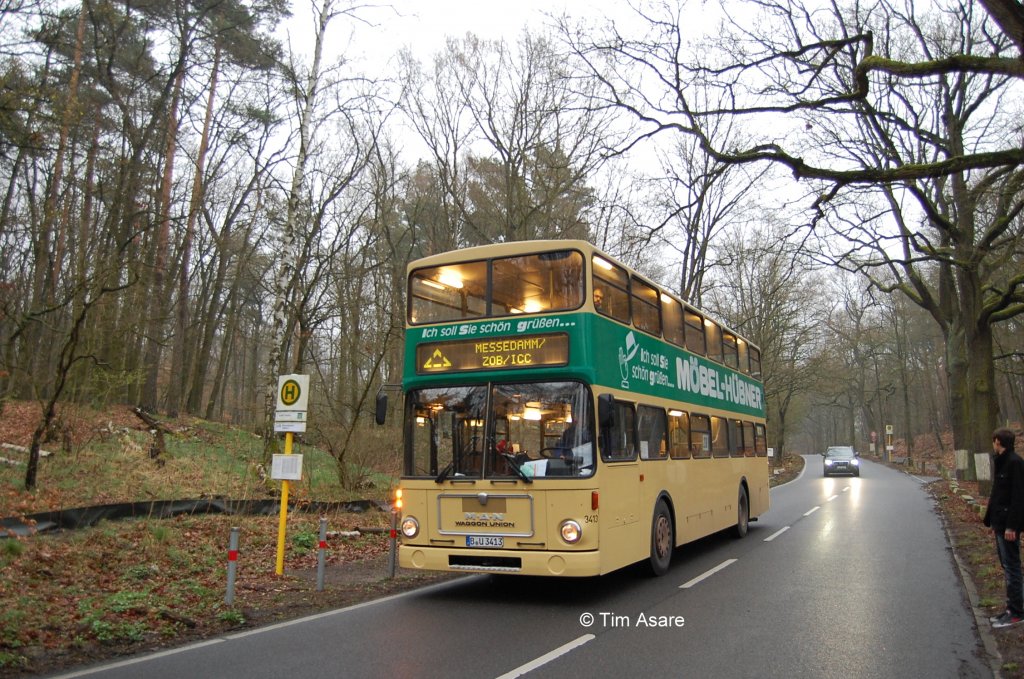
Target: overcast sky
[(425, 24)]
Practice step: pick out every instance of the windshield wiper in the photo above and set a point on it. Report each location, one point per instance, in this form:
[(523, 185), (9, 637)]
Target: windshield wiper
[(519, 470), (444, 473)]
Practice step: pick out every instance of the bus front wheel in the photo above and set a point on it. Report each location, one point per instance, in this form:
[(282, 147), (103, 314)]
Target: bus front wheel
[(662, 539), (742, 514)]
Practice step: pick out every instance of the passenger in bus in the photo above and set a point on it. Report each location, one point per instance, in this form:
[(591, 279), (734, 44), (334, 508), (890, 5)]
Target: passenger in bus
[(599, 298), (574, 447), (503, 450)]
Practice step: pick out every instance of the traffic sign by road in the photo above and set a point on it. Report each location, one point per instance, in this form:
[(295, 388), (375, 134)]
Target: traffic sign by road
[(293, 392)]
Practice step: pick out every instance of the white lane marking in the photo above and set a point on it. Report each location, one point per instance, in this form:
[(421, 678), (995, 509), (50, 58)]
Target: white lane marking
[(134, 661), (812, 510), (708, 574), (327, 614), (547, 657), (801, 474), (846, 489), (832, 498), (258, 630), (776, 534)]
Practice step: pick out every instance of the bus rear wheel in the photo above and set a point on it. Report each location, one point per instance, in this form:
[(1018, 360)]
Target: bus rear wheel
[(742, 514), (662, 539)]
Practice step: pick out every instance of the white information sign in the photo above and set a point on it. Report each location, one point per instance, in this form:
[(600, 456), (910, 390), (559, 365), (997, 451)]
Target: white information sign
[(297, 427), (287, 468)]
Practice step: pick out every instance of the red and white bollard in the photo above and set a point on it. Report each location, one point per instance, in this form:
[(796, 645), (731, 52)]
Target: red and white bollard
[(393, 544), (321, 555), (229, 598)]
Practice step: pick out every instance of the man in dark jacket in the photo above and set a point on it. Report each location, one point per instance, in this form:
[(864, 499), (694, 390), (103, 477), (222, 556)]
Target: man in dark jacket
[(1005, 515)]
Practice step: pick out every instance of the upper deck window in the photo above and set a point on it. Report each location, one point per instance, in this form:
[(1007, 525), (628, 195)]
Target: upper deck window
[(695, 339), (611, 289), (522, 284), (672, 318), (551, 281), (713, 331), (646, 307), (452, 292), (754, 356), (730, 350)]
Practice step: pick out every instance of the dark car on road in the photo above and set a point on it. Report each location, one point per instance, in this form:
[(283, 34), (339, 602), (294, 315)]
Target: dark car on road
[(841, 460)]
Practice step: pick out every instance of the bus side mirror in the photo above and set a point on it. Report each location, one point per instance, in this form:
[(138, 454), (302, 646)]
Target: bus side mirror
[(606, 411), (382, 408)]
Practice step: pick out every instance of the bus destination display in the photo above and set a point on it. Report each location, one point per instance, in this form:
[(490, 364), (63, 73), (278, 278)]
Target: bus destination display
[(529, 351)]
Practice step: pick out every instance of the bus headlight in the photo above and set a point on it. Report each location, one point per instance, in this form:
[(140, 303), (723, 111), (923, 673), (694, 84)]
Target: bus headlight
[(570, 531), (410, 527)]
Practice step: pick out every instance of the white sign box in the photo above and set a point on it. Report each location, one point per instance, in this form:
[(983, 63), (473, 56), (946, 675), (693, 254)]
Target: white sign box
[(287, 468)]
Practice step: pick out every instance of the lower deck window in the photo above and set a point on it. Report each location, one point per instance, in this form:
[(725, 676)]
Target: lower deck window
[(500, 430)]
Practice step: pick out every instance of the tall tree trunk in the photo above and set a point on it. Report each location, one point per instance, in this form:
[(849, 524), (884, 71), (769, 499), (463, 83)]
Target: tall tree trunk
[(982, 388), (81, 268), (66, 359), (179, 375), (230, 330), (284, 280), (159, 293), (70, 113)]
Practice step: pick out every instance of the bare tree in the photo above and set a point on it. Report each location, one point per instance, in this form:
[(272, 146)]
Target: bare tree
[(511, 139), (767, 292), (845, 98), (350, 109), (698, 198)]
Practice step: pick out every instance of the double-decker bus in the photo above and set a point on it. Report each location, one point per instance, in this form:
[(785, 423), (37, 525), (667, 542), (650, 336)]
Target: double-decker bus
[(564, 416)]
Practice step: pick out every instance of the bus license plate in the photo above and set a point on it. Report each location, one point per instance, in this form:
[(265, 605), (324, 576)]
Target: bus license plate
[(485, 541)]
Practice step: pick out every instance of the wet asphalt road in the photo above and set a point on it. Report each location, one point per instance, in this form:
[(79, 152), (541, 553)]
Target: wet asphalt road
[(843, 577)]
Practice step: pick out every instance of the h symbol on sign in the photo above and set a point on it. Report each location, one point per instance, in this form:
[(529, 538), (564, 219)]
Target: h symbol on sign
[(290, 392)]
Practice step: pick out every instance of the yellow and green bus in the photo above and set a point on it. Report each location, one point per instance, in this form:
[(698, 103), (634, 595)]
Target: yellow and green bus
[(564, 416)]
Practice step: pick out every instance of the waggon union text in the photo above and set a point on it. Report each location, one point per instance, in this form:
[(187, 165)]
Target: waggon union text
[(486, 519), (487, 524)]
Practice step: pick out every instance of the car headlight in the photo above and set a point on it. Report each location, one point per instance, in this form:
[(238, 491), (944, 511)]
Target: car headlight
[(855, 462), (828, 463), (410, 527), (570, 531)]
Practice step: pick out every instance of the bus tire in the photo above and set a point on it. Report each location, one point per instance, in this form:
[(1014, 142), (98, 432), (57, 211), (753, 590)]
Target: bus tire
[(662, 539), (742, 514)]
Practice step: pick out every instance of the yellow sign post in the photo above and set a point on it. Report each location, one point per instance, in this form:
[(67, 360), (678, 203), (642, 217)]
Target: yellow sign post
[(292, 400), (283, 520)]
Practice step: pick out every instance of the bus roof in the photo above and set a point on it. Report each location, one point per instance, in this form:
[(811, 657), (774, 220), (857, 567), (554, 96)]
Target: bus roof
[(507, 249)]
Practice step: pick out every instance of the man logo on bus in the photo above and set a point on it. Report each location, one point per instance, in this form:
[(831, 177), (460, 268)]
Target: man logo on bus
[(626, 354)]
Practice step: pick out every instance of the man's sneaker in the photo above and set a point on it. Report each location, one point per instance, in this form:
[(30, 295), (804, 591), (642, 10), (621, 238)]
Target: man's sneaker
[(999, 616), (1007, 619)]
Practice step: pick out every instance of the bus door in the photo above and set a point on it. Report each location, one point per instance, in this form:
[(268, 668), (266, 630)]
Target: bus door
[(619, 478)]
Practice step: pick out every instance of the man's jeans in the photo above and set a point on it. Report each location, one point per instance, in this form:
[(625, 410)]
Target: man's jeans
[(1009, 559)]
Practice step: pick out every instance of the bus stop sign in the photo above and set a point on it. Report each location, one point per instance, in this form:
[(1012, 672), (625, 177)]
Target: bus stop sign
[(292, 392)]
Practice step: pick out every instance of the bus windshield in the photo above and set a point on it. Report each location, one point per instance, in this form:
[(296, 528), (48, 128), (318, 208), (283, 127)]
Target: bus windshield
[(532, 429), (549, 281)]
